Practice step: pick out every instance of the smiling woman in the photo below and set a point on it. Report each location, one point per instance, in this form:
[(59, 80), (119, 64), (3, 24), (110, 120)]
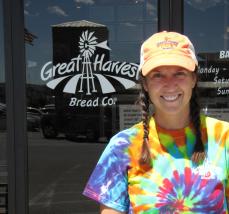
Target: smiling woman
[(81, 69), (176, 158)]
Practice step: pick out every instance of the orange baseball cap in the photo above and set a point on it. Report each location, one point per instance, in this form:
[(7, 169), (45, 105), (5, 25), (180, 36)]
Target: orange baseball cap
[(167, 48)]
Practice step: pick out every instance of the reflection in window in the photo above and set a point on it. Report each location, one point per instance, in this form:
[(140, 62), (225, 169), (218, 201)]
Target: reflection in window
[(198, 16), (130, 13), (81, 76), (126, 31), (207, 24), (107, 14)]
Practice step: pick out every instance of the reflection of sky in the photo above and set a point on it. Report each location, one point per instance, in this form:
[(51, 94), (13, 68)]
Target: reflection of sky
[(128, 23), (207, 24)]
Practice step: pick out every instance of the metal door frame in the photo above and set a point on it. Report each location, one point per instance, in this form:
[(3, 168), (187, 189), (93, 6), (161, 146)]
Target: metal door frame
[(15, 73), (171, 15)]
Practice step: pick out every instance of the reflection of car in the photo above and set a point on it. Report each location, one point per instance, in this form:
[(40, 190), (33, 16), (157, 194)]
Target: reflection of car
[(34, 111), (33, 118), (48, 124), (48, 109), (75, 126)]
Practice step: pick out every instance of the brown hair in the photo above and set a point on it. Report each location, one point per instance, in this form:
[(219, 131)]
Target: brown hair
[(198, 153)]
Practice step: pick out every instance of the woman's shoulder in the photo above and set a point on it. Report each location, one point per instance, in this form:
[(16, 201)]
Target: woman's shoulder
[(214, 125), (212, 121)]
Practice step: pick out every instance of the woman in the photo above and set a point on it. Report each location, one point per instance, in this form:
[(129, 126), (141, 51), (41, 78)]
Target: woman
[(176, 160)]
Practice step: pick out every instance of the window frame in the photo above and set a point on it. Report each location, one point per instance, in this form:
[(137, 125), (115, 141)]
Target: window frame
[(15, 69)]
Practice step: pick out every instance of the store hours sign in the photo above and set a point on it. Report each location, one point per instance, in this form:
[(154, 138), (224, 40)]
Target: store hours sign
[(213, 72), (90, 75)]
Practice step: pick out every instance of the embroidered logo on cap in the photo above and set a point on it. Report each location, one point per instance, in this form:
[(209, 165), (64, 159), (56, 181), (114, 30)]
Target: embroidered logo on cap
[(167, 44)]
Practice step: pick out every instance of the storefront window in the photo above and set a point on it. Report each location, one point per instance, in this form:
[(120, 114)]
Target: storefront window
[(3, 157), (82, 59), (207, 24)]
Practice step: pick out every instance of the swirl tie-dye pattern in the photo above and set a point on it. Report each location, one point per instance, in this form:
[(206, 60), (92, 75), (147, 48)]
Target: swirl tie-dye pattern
[(174, 184), (185, 193)]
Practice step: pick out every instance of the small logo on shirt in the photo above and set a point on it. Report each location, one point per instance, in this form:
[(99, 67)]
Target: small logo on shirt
[(207, 170)]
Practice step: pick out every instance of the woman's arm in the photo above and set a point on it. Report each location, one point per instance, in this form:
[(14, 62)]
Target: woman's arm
[(107, 210)]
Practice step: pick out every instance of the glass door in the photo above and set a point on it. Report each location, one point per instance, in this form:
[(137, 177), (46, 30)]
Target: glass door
[(82, 59)]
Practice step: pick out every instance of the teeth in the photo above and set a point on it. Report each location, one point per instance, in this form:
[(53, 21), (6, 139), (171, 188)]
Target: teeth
[(170, 98)]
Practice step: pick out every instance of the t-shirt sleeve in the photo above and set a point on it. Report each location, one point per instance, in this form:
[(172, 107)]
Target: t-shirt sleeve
[(108, 183)]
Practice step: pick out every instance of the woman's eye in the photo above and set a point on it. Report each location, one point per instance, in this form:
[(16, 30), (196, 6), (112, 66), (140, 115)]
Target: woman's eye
[(180, 74), (156, 75)]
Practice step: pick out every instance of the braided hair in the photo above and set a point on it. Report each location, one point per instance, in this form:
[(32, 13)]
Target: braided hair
[(144, 101), (198, 153)]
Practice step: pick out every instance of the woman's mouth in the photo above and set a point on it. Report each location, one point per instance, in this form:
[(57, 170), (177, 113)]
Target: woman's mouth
[(170, 98)]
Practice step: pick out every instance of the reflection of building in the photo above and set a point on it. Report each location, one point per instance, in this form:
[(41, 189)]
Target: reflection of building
[(85, 80), (66, 38), (78, 43), (75, 46)]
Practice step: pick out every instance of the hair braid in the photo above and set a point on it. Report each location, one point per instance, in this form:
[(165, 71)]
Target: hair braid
[(145, 158), (198, 153)]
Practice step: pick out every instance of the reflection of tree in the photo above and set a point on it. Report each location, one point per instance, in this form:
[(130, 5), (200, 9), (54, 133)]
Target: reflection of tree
[(29, 37)]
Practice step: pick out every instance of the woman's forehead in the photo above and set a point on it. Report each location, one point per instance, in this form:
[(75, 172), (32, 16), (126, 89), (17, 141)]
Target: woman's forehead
[(168, 68)]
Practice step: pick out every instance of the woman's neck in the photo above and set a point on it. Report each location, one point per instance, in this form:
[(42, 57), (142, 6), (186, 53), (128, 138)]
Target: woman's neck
[(172, 121)]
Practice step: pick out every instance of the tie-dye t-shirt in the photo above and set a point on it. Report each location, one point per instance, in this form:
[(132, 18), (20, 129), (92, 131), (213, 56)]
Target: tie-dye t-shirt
[(175, 184)]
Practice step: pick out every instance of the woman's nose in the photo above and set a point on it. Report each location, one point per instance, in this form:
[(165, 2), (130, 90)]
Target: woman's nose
[(170, 82)]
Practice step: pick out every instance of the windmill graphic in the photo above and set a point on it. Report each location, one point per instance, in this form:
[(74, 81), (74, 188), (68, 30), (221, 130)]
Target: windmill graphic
[(84, 81), (87, 45)]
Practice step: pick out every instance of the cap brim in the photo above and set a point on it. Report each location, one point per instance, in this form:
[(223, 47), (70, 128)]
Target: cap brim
[(167, 60)]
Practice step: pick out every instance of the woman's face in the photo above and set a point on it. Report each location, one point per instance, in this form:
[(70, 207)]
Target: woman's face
[(170, 89)]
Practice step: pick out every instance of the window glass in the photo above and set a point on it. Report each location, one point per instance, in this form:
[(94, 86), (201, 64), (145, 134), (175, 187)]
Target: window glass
[(207, 24), (82, 59), (3, 151)]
